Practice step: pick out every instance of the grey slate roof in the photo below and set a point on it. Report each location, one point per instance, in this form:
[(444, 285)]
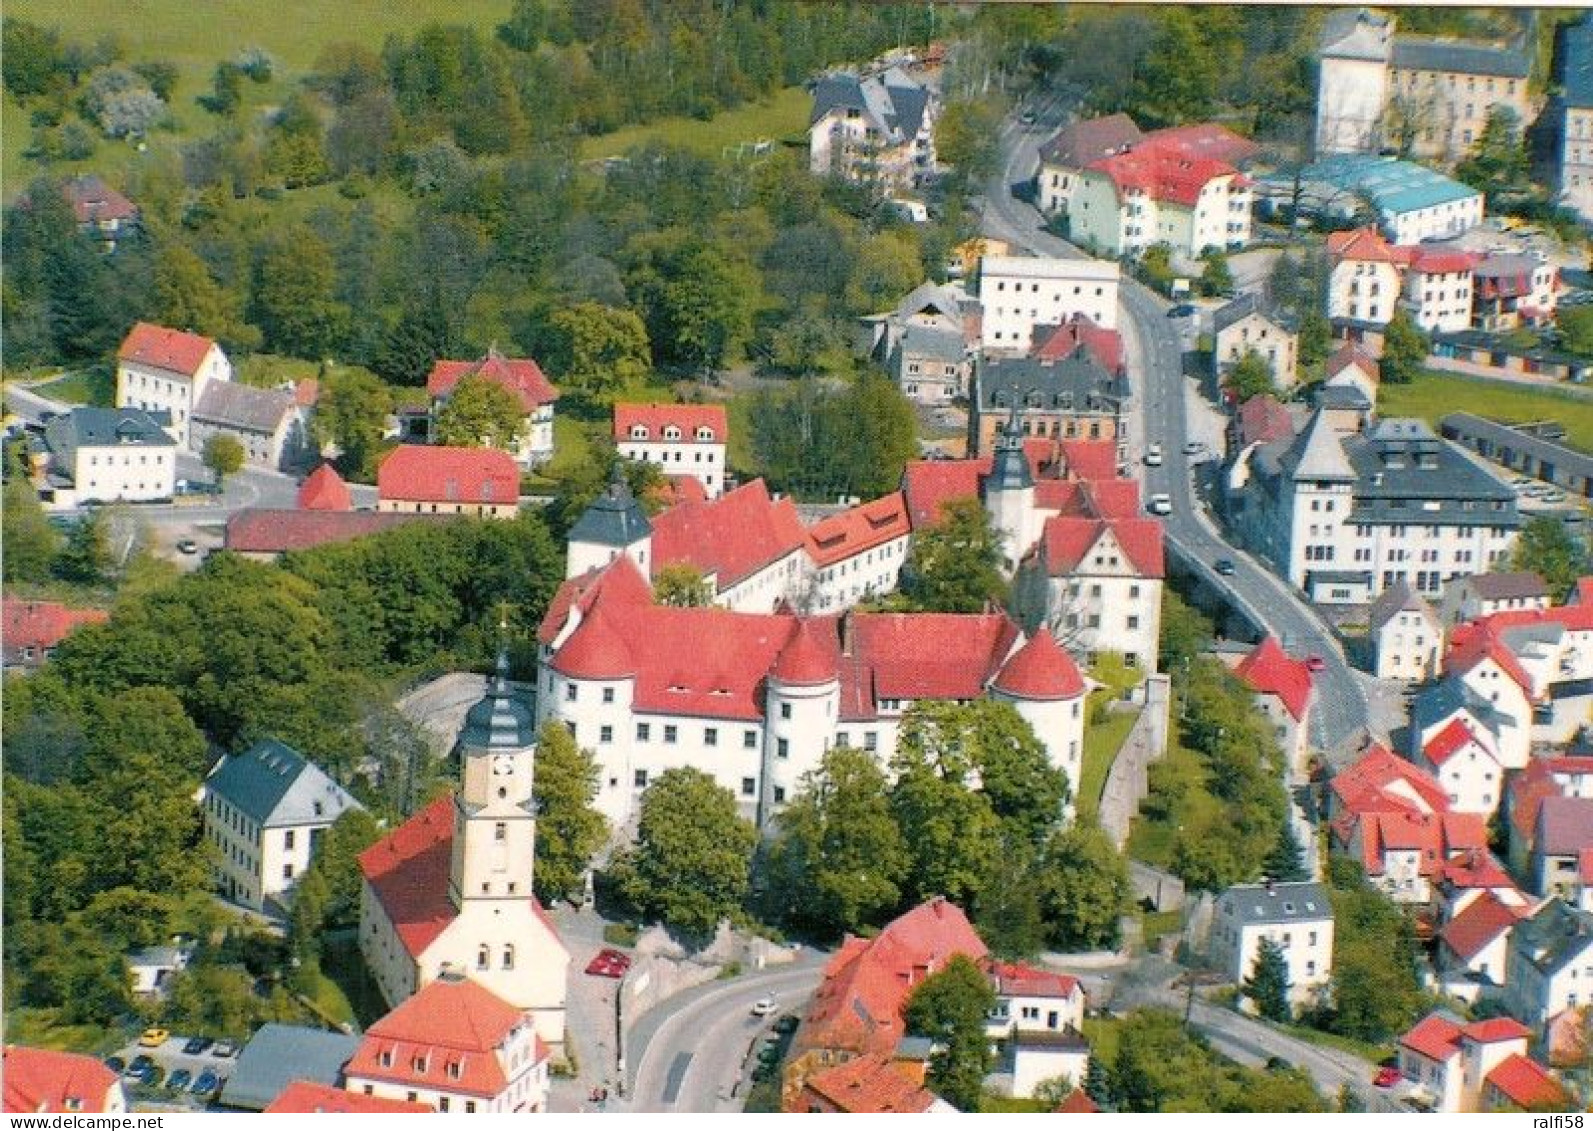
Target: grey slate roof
[(500, 720), (1464, 426), (1341, 396), (1397, 598), (615, 518), (1279, 903), (1505, 586), (1315, 454), (944, 300), (1555, 937), (1079, 143), (1355, 33), (1442, 701), (928, 341), (1576, 64), (228, 404), (277, 1055), (92, 427), (276, 787), (1421, 53), (894, 102), (1005, 381), (1243, 307), (1009, 469), (1402, 468)]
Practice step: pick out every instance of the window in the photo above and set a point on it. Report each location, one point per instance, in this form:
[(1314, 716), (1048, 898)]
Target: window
[(782, 748), (500, 831), (287, 871), (670, 735), (749, 787), (785, 710), (443, 1101), (287, 839), (779, 794), (470, 1107), (870, 740), (605, 734), (640, 779), (483, 957), (608, 695), (508, 956), (710, 736), (749, 739), (644, 731), (569, 693)]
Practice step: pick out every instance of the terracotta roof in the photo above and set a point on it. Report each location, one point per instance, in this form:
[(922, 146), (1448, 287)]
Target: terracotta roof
[(654, 418), (1090, 459), (930, 484), (1442, 260), (44, 1080), (1065, 541), (1089, 498), (1161, 174), (1494, 1029), (93, 200), (408, 871), (804, 661), (1451, 740), (1483, 921), (1040, 670), (1565, 826), (160, 348), (621, 576), (521, 376), (418, 473), (1475, 869), (1364, 245), (1264, 419), (1077, 1103), (1349, 356), (1433, 836), (303, 1097), (447, 1036), (258, 531), (869, 1084), (733, 537), (1269, 671), (42, 625), (595, 650), (307, 392), (1436, 1036), (1528, 790), (1019, 979), (677, 489), (1526, 1083), (1057, 341), (858, 529), (1204, 139), (1365, 785), (1477, 642), (324, 490)]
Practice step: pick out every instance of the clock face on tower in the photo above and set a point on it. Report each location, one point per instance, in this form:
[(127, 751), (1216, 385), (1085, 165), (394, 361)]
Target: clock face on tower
[(503, 765)]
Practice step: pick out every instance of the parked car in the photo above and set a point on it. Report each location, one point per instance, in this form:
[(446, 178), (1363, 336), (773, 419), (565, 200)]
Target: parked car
[(187, 546), (1153, 456), (609, 963), (1193, 447), (196, 1046), (116, 1064), (1223, 566), (208, 1082), (1027, 117), (1386, 1077), (1160, 504), (1315, 664), (787, 1024), (224, 1048), (153, 1076), (135, 1070), (179, 1080), (154, 1038), (1182, 310), (764, 1006)]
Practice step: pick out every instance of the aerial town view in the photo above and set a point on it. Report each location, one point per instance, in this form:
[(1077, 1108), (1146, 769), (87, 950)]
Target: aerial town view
[(674, 556)]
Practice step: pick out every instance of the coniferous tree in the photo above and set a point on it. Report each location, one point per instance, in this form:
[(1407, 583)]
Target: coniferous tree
[(1268, 984)]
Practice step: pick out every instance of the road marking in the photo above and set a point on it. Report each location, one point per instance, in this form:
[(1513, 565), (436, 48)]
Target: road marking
[(677, 1073)]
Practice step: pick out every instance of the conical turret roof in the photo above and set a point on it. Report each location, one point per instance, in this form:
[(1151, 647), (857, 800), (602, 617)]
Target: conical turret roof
[(803, 661), (1040, 670)]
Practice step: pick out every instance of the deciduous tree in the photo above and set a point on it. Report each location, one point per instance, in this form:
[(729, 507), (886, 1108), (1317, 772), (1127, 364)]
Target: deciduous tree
[(1086, 887), (682, 585), (1405, 349), (950, 1007), (599, 350), (569, 828), (1251, 376), (1547, 548), (955, 565), (481, 413), (223, 455)]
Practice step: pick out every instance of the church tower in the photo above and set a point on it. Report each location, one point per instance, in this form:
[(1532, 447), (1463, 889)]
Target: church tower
[(1009, 493), (614, 524), (494, 846)]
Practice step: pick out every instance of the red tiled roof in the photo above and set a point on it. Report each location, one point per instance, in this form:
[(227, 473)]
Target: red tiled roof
[(1573, 765), (861, 528), (595, 650), (1019, 979), (304, 1098), (419, 473), (621, 580), (804, 661), (447, 1036), (1162, 174), (42, 625), (1349, 356), (259, 531), (1526, 1083), (1269, 671), (306, 392), (1066, 540), (1475, 869), (930, 484), (677, 489), (1088, 498), (1264, 419), (521, 376), (1450, 741), (1090, 459), (1471, 644), (1442, 260), (1528, 790), (324, 490), (1484, 920), (1204, 139), (408, 871), (1077, 1103), (1040, 670), (656, 417), (1494, 1029), (1434, 836), (160, 348), (733, 537), (1058, 341), (1364, 785), (869, 1085), (1365, 245), (1435, 1037), (93, 200), (44, 1080)]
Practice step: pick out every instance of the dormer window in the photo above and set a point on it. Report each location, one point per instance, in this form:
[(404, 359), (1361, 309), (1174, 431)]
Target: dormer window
[(671, 433), (456, 1069), (705, 434), (386, 1058), (418, 1063), (638, 431)]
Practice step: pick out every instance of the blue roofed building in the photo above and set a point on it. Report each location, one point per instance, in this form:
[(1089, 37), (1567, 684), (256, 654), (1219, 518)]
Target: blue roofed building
[(265, 812), (1413, 203)]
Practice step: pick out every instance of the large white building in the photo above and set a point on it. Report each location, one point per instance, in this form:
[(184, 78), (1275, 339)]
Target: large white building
[(680, 439), (1020, 293), (1296, 916), (108, 455), (163, 370), (1413, 203), (265, 811), (875, 129), (448, 893), (1405, 635)]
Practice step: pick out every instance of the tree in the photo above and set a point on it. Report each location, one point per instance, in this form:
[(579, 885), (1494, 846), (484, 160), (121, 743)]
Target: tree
[(1251, 376), (1498, 163), (955, 565), (1405, 349), (689, 863), (85, 559), (967, 137), (1268, 984), (1156, 265), (1286, 863), (1316, 338), (480, 413), (187, 295), (35, 59), (294, 299), (1547, 548), (1576, 328), (1160, 1066), (1215, 276), (1179, 77), (599, 350), (336, 862), (351, 414), (307, 915), (226, 90), (696, 295), (569, 828), (837, 859), (31, 543), (223, 455), (1086, 887), (950, 1007), (422, 334), (1098, 1082), (1185, 631), (1009, 915), (683, 586)]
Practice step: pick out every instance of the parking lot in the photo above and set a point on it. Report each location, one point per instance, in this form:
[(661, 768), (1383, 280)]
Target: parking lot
[(170, 1058)]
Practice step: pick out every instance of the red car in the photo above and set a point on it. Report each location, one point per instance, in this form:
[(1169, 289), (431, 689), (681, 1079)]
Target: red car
[(1386, 1077), (609, 963), (1315, 663)]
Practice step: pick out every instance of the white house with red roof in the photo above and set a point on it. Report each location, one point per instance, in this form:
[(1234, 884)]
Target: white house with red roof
[(754, 699), (1037, 1024), (1468, 876), (303, 1097), (449, 892), (857, 554), (1462, 758), (1285, 693), (458, 1048), (40, 1081), (1350, 365), (749, 546), (32, 629), (420, 479), (521, 377), (1484, 594), (1449, 1062), (1473, 947), (1438, 287), (1364, 280), (163, 370), (1019, 294), (1550, 963), (680, 439), (1535, 665)]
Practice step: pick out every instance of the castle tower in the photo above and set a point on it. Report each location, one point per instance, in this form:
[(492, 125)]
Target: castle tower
[(1044, 686), (802, 699), (1009, 493), (614, 524)]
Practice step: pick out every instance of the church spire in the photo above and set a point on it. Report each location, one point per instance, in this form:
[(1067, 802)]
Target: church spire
[(1009, 470)]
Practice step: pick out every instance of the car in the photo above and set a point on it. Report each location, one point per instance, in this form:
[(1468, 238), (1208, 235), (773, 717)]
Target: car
[(154, 1038), (153, 1076), (608, 963), (1153, 456), (1160, 504), (1193, 447), (787, 1025), (1277, 1064), (135, 1070), (1522, 481), (178, 1081), (187, 546), (195, 1046), (1315, 664), (1386, 1077), (764, 1006), (1554, 496), (207, 1082), (1223, 566), (116, 1064), (1028, 117), (1182, 310), (224, 1048)]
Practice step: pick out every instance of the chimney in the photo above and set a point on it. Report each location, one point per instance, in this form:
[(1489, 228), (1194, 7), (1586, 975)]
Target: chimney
[(845, 628)]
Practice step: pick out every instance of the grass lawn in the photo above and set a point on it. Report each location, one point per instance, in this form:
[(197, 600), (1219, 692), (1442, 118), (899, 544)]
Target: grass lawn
[(992, 1103), (1152, 841), (1157, 924), (268, 370), (343, 967), (1102, 1033), (1101, 744), (42, 1028), (572, 448), (96, 385), (329, 998), (1432, 395), (783, 115), (1363, 1049)]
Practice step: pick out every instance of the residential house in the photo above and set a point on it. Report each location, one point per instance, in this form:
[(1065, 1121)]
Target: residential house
[(1511, 291), (164, 370), (153, 967), (1056, 343), (265, 812), (1245, 326), (871, 1084), (1562, 847), (927, 342), (1473, 948), (448, 893), (1352, 80), (1261, 419), (1483, 594), (1535, 666), (521, 377), (1350, 366), (1036, 1027), (42, 1081), (1452, 700), (324, 490), (269, 423), (875, 129), (1073, 397), (1296, 916), (1467, 877), (748, 546), (100, 211), (857, 554), (1531, 449), (1405, 634), (305, 1098), (109, 455), (1284, 692), (457, 1047), (1571, 118), (1550, 964), (34, 628), (1438, 287), (1464, 761), (1019, 293), (679, 439), (418, 479), (1078, 145), (1520, 1083), (1412, 202), (1448, 1062), (1365, 276)]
